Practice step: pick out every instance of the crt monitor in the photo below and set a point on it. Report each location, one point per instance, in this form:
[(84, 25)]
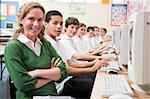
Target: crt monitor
[(139, 51), (124, 35), (8, 30), (9, 25), (116, 38)]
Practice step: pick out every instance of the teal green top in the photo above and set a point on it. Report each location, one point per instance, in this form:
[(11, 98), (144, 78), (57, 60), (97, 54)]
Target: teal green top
[(20, 59)]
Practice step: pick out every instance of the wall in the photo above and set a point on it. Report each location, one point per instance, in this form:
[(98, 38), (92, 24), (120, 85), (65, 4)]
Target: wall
[(95, 14)]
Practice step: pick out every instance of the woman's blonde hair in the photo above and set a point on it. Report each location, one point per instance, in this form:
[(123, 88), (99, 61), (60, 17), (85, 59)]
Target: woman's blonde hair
[(23, 11)]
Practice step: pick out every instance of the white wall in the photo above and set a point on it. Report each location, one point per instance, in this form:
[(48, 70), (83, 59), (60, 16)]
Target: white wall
[(95, 14), (148, 3)]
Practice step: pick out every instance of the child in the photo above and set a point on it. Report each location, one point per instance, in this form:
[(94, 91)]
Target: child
[(78, 39), (73, 86), (71, 26)]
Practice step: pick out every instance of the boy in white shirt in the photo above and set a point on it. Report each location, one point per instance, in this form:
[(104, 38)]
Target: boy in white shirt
[(90, 43), (90, 32), (71, 26), (78, 86)]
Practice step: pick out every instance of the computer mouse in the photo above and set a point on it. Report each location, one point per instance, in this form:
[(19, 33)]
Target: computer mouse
[(112, 71), (120, 96)]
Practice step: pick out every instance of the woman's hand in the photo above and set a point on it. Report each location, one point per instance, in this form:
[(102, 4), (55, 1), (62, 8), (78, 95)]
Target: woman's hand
[(55, 63)]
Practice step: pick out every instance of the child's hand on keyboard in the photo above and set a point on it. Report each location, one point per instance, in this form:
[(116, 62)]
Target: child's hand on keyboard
[(112, 57), (99, 64)]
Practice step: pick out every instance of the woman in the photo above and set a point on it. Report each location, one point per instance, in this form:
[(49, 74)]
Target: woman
[(29, 54)]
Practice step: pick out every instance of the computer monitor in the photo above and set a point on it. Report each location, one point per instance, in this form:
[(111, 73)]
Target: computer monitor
[(9, 25), (8, 30), (116, 38), (124, 35), (139, 51)]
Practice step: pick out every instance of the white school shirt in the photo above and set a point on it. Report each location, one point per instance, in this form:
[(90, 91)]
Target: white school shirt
[(35, 47), (88, 43), (60, 50), (68, 44), (98, 40), (79, 44), (93, 40)]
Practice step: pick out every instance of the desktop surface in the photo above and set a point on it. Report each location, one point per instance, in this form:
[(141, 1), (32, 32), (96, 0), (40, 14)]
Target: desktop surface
[(114, 84), (96, 91), (53, 97)]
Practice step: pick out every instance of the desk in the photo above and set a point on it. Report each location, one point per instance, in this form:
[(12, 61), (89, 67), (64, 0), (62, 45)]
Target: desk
[(96, 91), (4, 39)]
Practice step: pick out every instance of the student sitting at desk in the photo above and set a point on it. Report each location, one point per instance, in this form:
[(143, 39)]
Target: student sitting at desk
[(28, 52), (103, 36), (90, 43), (83, 45), (97, 36), (71, 26), (78, 86), (78, 39)]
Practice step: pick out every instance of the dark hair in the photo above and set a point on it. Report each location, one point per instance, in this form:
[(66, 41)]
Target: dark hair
[(90, 28), (81, 25), (71, 20), (52, 13), (95, 27), (104, 29)]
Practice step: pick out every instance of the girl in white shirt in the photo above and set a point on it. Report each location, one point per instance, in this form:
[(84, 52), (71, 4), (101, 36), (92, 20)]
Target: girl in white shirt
[(98, 39), (78, 39)]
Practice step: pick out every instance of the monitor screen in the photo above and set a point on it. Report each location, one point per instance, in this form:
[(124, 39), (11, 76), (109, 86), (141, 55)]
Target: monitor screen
[(9, 25), (8, 30)]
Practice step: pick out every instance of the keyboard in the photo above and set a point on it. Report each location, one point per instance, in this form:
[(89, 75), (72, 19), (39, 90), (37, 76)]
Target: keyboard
[(113, 67), (115, 84)]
